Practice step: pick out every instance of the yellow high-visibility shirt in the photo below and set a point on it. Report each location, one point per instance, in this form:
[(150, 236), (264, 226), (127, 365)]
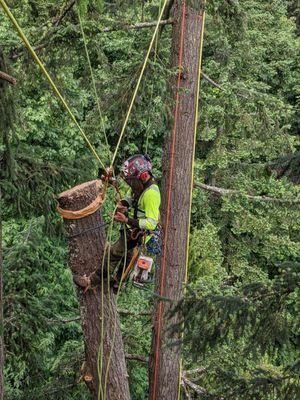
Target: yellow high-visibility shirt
[(147, 211)]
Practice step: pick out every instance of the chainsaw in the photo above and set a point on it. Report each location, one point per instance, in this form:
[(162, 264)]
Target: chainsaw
[(141, 271)]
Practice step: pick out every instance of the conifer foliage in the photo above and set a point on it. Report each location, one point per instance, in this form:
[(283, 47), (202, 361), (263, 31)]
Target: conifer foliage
[(240, 314)]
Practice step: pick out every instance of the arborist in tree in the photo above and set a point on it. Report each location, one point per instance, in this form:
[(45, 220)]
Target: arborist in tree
[(139, 211)]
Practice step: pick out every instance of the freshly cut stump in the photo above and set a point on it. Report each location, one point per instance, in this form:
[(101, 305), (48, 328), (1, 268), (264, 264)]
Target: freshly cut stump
[(85, 255)]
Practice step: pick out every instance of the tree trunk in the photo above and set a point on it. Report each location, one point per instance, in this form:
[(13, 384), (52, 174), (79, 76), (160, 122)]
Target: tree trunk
[(1, 312), (85, 255), (165, 382), (5, 126), (6, 123)]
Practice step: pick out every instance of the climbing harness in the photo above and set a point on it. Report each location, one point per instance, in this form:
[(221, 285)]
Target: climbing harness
[(153, 245), (140, 257)]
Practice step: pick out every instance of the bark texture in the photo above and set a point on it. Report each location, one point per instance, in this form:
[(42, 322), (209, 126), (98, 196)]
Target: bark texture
[(168, 375), (5, 165), (1, 313), (8, 78), (6, 123), (85, 255)]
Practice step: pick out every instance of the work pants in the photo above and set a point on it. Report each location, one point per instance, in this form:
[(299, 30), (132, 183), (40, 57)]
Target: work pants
[(115, 256)]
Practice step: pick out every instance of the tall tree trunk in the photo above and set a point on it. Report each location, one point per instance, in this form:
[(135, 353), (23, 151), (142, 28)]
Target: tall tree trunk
[(1, 312), (167, 359), (85, 255), (6, 123), (5, 161)]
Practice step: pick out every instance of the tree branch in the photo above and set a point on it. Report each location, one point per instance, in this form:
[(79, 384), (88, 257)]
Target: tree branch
[(121, 312), (55, 27), (63, 13), (132, 312), (165, 16), (228, 192), (196, 388), (168, 9), (140, 25), (195, 371), (65, 320), (136, 357), (186, 391), (8, 78), (212, 82)]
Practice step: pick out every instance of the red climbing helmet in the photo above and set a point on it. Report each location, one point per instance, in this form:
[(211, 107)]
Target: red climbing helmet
[(138, 166)]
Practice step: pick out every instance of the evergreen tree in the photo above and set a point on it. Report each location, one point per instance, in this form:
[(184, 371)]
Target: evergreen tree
[(241, 310)]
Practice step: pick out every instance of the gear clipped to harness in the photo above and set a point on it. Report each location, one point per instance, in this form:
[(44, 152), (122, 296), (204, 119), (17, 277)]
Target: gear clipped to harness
[(141, 271)]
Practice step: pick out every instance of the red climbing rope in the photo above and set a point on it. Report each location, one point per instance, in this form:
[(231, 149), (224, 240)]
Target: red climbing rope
[(158, 321)]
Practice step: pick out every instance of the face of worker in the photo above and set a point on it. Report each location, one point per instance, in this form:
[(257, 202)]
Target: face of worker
[(135, 184)]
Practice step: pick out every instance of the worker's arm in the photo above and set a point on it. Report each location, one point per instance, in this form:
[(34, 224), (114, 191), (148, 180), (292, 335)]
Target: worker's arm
[(121, 217), (124, 204)]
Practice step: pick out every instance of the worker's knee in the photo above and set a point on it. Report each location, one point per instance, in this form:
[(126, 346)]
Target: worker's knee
[(117, 250)]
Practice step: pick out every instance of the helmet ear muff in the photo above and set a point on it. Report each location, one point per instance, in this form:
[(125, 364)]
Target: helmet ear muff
[(144, 176)]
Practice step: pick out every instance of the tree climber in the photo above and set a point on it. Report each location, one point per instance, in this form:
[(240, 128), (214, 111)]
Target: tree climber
[(139, 210)]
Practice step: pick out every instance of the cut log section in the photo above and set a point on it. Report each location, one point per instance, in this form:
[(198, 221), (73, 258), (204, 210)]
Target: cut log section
[(85, 255)]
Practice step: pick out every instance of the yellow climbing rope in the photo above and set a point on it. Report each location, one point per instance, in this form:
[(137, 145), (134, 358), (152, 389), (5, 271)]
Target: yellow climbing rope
[(48, 77), (93, 83), (138, 82)]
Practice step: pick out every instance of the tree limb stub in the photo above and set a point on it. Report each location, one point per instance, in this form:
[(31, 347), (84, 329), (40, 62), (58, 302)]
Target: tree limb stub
[(10, 79), (211, 81), (133, 312), (228, 192), (196, 388), (187, 383), (135, 357)]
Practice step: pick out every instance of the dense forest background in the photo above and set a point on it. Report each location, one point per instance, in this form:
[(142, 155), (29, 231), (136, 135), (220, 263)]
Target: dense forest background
[(241, 310)]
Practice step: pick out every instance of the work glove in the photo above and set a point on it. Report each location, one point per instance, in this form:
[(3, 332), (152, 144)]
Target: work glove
[(121, 207)]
